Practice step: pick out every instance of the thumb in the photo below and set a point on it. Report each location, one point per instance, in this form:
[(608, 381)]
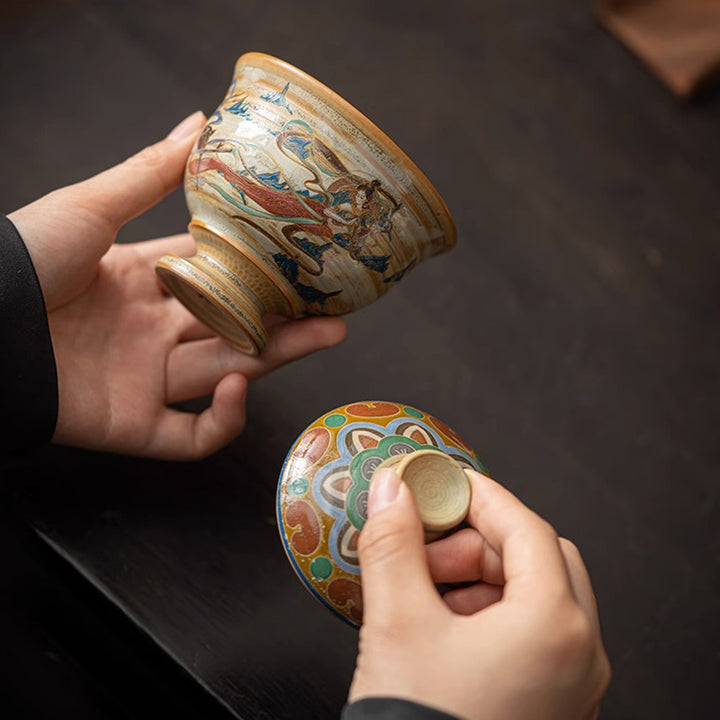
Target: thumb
[(125, 191), (396, 581)]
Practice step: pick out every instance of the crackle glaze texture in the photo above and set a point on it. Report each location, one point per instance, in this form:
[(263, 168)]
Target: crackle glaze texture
[(299, 204), (323, 490)]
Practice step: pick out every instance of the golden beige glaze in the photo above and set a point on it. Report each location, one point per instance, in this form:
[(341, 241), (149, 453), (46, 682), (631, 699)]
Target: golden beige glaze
[(300, 205), (442, 213)]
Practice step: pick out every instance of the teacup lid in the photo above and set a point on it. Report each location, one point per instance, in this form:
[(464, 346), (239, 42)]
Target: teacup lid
[(323, 489)]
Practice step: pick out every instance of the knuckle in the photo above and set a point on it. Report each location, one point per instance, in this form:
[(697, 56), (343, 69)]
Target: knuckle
[(229, 360), (152, 163), (575, 641), (480, 556), (568, 638), (538, 528), (570, 550), (578, 633), (546, 528), (224, 357), (149, 156), (604, 673)]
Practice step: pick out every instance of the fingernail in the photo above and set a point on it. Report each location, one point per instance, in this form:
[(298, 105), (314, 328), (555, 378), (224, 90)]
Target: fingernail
[(384, 488), (188, 126)]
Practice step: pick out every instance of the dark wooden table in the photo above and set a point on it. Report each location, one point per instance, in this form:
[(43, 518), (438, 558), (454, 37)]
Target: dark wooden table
[(572, 336)]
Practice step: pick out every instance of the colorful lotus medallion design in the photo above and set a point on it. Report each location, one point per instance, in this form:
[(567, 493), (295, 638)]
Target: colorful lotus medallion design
[(323, 490)]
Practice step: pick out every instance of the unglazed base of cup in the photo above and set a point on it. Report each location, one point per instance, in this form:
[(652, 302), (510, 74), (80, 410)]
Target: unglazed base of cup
[(226, 288), (229, 312)]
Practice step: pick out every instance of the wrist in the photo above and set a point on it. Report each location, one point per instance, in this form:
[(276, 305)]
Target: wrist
[(30, 394), (392, 708)]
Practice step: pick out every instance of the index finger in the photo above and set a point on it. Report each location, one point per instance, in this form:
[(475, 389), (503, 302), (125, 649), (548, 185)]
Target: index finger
[(529, 547)]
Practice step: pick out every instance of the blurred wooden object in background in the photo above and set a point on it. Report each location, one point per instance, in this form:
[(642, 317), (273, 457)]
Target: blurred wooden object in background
[(679, 40)]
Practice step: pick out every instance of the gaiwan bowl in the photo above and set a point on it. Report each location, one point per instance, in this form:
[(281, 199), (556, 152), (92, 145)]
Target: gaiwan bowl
[(299, 206), (323, 489)]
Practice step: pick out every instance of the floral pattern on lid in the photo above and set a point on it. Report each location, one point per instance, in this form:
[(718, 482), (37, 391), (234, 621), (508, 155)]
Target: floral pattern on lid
[(324, 483)]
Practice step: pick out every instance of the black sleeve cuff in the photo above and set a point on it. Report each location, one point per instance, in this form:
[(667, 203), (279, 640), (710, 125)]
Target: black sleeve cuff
[(29, 404), (377, 708)]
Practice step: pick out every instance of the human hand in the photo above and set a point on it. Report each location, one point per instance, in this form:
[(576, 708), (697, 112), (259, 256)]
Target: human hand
[(124, 349), (522, 642)]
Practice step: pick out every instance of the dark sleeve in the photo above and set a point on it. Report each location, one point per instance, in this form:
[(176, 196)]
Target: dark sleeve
[(29, 403), (391, 709)]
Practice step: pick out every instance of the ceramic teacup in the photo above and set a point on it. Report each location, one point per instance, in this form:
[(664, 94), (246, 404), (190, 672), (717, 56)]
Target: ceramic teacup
[(299, 205)]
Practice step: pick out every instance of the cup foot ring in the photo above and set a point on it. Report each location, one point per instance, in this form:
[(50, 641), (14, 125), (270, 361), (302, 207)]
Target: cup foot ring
[(226, 311)]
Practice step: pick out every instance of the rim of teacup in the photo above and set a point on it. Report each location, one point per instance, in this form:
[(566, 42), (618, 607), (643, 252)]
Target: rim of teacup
[(368, 126)]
